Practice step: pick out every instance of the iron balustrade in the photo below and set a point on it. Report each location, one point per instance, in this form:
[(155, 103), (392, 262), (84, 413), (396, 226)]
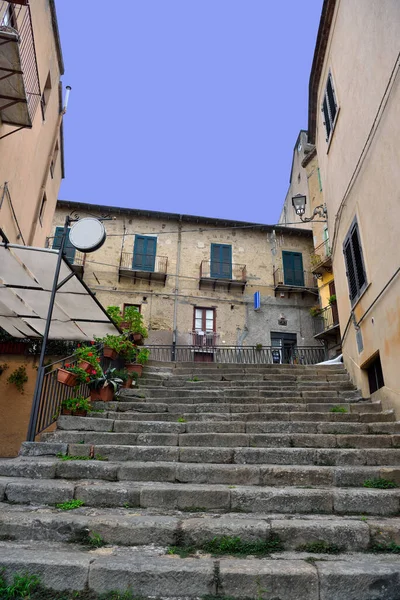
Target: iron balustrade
[(127, 261), (17, 17), (325, 320), (216, 270), (255, 355), (77, 260), (204, 338), (294, 278), (320, 255)]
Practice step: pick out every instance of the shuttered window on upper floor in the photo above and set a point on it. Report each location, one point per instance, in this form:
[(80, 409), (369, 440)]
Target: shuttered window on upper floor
[(329, 107), (353, 256)]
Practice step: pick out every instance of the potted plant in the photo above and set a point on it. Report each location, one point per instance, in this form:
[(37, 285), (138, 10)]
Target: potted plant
[(87, 357), (125, 376), (315, 311), (72, 375), (111, 346), (133, 322), (259, 347), (114, 312), (332, 299), (104, 386), (142, 356), (77, 406)]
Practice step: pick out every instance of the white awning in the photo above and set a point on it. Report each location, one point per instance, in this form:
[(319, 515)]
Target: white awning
[(26, 281)]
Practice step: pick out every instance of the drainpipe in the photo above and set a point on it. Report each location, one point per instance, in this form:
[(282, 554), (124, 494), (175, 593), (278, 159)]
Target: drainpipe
[(48, 164), (176, 292)]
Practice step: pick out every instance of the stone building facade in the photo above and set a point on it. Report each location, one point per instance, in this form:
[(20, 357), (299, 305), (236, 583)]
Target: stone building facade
[(31, 136), (194, 278)]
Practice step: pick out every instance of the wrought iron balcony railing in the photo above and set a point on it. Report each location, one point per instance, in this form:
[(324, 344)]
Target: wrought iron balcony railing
[(326, 320), (321, 257), (143, 267), (204, 338), (292, 278), (19, 79), (218, 273)]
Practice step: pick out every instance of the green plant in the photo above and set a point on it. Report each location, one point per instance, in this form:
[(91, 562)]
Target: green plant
[(114, 312), (332, 299), (259, 347), (319, 547), (87, 353), (122, 374), (76, 403), (21, 588), (315, 311), (194, 379), (105, 379), (230, 545), (70, 504), (338, 409), (134, 321), (143, 356), (81, 375), (95, 540), (18, 377), (380, 483), (3, 368), (181, 420), (391, 548)]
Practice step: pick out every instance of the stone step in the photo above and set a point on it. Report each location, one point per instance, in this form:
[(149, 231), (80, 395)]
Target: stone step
[(248, 392), (127, 529), (119, 432), (175, 496), (266, 456), (289, 576), (196, 368), (178, 472), (241, 378), (247, 384), (134, 426)]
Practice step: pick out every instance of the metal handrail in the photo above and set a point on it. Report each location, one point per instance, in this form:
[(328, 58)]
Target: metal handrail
[(320, 254), (160, 262), (325, 320), (227, 270), (303, 279)]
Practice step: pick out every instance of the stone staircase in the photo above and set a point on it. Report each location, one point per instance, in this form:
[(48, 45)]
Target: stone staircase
[(213, 480)]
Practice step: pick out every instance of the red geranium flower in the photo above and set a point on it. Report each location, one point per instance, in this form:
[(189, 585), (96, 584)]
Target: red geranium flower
[(79, 345), (94, 372), (87, 378), (90, 353), (67, 365), (92, 343)]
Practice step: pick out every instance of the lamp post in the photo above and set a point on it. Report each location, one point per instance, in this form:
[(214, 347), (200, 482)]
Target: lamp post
[(299, 204)]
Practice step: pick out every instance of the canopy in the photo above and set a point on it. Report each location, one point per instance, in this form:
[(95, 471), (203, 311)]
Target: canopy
[(26, 282)]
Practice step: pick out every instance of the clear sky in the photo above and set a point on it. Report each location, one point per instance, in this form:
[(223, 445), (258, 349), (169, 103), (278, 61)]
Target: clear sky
[(188, 106)]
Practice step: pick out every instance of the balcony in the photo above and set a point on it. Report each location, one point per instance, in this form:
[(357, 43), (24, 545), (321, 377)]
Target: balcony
[(143, 267), (19, 79), (292, 280), (326, 324), (233, 276), (204, 339), (75, 258), (321, 258)]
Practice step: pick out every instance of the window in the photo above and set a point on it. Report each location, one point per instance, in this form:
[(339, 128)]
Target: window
[(42, 209), (329, 107), (293, 268), (375, 374), (204, 326), (353, 256), (45, 96), (221, 261), (69, 249), (144, 253), (54, 160), (137, 306)]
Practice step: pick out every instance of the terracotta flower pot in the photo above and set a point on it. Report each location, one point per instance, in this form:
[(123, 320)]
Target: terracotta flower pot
[(138, 338), (80, 413), (134, 368), (105, 394), (110, 353), (66, 378), (128, 383), (85, 365), (66, 411)]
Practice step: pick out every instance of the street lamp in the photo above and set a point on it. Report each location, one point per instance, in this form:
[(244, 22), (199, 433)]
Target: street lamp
[(299, 204)]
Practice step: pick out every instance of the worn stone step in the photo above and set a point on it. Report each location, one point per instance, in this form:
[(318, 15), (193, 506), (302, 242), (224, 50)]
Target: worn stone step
[(127, 529), (270, 456), (66, 567), (172, 496)]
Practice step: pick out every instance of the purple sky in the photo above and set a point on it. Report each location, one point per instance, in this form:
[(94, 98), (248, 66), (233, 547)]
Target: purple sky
[(189, 106)]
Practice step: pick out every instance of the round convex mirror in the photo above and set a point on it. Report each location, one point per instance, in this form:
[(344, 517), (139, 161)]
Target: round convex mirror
[(87, 235)]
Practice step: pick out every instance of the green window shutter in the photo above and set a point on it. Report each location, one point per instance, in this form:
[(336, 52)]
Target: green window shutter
[(144, 253), (221, 261), (293, 268), (69, 249), (353, 256)]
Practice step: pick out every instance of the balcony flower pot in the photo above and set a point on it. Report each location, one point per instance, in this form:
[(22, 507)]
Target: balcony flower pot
[(66, 378), (138, 339), (134, 368), (110, 353), (85, 365), (105, 394), (128, 383), (80, 413), (66, 411)]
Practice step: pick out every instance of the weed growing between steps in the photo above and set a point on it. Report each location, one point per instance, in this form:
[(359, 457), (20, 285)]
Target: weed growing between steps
[(232, 546), (70, 457), (338, 409), (391, 548), (22, 586), (380, 483), (319, 547), (70, 504), (88, 538)]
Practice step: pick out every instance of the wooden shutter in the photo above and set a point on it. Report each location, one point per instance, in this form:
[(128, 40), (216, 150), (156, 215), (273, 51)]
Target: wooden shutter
[(69, 249), (144, 253), (293, 268), (330, 94), (353, 256), (221, 261)]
